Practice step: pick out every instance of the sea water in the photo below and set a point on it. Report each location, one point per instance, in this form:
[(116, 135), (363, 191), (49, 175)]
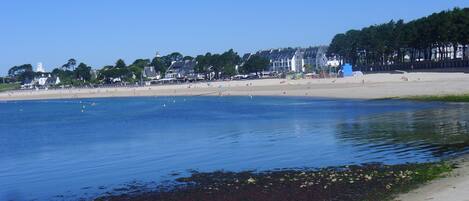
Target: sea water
[(71, 149)]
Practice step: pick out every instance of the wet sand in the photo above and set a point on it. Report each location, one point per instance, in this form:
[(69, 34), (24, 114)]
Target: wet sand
[(454, 187), (364, 87)]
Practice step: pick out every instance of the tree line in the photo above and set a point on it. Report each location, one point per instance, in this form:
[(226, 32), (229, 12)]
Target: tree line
[(426, 38), (224, 65)]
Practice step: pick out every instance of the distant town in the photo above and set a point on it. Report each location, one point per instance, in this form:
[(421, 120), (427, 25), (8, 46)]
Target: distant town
[(177, 68)]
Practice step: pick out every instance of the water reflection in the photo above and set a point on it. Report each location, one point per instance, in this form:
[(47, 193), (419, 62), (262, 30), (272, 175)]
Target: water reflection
[(51, 147), (440, 131)]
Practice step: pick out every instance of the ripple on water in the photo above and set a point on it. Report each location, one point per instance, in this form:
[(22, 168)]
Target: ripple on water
[(61, 151)]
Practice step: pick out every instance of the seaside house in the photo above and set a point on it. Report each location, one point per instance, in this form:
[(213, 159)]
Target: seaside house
[(41, 81), (150, 73), (52, 80), (181, 70), (309, 58), (44, 81), (282, 60), (47, 81), (27, 84), (288, 59)]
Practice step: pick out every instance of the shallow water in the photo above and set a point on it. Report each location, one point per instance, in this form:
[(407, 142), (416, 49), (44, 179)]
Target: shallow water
[(70, 149)]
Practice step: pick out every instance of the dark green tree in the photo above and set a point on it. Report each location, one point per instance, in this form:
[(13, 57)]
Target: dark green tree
[(175, 56), (229, 60), (160, 64), (255, 64), (203, 63), (70, 65), (120, 64), (83, 72), (422, 39), (140, 63), (18, 70), (188, 58)]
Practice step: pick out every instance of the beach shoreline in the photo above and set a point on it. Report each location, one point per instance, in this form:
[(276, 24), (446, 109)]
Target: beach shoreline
[(454, 186), (371, 86), (328, 183)]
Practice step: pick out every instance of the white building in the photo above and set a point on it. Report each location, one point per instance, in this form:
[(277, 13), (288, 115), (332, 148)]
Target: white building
[(289, 59), (284, 60), (40, 68), (448, 52), (42, 81)]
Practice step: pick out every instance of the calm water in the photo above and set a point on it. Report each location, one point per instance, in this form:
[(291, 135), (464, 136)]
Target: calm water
[(50, 149)]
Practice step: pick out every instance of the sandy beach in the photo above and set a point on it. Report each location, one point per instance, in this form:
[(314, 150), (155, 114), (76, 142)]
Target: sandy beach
[(370, 86)]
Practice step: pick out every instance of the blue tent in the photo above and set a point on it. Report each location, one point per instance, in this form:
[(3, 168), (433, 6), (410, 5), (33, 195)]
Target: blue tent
[(347, 70)]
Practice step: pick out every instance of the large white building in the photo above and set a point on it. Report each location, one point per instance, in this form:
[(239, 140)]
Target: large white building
[(282, 60), (289, 59)]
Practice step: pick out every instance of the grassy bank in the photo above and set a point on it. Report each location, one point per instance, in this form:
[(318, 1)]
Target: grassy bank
[(10, 86), (366, 182), (442, 98)]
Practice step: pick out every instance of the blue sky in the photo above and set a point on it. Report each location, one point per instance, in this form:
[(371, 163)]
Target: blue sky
[(98, 32)]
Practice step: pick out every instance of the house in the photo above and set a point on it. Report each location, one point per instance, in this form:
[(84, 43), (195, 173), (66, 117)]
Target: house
[(289, 59), (47, 81), (150, 73), (310, 57), (27, 84), (52, 80), (181, 69), (41, 82), (282, 60)]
